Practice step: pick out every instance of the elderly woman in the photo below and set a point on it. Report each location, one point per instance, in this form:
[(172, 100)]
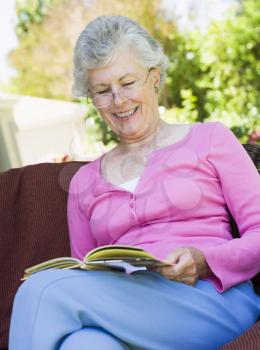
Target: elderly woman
[(164, 188)]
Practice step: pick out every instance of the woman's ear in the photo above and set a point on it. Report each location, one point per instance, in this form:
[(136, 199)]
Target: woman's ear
[(156, 76)]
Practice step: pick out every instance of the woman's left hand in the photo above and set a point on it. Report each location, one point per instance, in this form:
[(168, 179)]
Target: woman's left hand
[(188, 264)]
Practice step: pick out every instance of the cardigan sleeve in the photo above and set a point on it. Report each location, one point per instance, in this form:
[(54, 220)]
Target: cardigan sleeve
[(81, 239), (237, 260)]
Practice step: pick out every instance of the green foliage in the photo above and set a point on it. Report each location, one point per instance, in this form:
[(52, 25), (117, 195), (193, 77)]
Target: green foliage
[(43, 59), (220, 69), (30, 12), (184, 76)]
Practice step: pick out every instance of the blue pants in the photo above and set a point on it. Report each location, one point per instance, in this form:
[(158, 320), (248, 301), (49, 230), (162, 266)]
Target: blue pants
[(98, 310)]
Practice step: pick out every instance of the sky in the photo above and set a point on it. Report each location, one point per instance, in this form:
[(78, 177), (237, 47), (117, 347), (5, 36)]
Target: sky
[(203, 11)]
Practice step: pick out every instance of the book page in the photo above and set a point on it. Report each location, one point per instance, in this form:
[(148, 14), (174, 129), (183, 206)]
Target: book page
[(117, 252)]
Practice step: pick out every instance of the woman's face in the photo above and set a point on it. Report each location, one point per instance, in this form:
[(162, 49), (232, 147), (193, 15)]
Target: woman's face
[(133, 112)]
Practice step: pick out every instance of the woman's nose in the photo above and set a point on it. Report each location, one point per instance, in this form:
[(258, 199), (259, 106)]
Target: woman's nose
[(118, 98)]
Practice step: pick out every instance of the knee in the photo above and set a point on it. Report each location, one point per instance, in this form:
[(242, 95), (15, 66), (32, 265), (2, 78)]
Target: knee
[(33, 287), (94, 339)]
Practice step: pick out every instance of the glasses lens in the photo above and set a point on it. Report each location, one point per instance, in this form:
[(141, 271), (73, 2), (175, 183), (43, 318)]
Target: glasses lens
[(126, 92), (102, 100), (129, 92)]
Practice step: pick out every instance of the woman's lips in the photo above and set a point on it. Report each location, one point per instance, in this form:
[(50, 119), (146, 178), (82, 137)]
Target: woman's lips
[(124, 115)]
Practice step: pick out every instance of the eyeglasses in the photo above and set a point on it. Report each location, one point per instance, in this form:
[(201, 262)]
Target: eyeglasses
[(129, 90)]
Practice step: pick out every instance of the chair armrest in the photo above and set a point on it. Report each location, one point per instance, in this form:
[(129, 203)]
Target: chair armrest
[(33, 217)]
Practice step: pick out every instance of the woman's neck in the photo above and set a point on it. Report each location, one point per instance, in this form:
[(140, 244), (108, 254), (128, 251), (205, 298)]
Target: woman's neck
[(146, 142)]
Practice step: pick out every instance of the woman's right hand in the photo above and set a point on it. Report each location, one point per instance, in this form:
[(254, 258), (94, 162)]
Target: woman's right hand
[(185, 265)]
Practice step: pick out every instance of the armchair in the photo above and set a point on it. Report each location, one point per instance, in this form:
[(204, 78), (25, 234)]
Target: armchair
[(33, 205)]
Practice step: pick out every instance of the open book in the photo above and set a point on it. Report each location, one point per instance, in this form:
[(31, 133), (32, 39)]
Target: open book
[(108, 257)]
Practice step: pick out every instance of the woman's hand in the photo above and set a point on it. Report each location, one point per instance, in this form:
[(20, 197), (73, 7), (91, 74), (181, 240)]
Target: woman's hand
[(188, 264)]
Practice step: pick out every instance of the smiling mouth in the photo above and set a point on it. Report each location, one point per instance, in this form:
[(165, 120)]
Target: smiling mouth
[(126, 115)]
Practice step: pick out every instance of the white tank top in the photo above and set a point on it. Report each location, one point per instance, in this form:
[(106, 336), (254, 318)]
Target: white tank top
[(130, 185)]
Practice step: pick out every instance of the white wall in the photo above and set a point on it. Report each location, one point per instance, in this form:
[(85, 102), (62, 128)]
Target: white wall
[(35, 129)]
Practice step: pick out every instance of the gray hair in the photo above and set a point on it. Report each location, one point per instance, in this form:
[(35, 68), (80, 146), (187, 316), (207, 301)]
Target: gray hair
[(103, 37)]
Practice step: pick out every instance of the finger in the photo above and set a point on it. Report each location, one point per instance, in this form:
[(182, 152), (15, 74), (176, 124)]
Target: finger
[(155, 269), (174, 256), (168, 273), (180, 266), (188, 281), (165, 271), (185, 266)]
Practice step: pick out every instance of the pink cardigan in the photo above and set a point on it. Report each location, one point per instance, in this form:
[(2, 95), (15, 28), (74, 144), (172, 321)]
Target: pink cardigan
[(180, 200)]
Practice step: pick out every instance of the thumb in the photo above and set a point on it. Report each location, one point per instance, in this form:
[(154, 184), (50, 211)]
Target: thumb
[(174, 256)]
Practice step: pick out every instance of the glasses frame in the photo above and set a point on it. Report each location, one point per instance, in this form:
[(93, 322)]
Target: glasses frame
[(112, 94)]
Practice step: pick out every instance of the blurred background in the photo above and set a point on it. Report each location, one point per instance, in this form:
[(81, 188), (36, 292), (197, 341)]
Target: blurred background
[(214, 72)]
